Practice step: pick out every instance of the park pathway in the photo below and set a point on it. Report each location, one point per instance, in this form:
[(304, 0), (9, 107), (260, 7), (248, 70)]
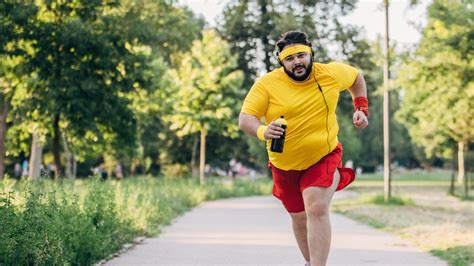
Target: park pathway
[(257, 231)]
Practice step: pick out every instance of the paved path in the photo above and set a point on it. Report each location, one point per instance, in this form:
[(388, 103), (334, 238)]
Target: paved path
[(257, 231)]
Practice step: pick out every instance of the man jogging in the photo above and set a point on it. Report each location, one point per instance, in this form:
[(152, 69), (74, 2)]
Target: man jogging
[(309, 169)]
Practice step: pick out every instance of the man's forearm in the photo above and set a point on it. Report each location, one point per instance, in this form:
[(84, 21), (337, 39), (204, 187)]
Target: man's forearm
[(249, 124), (358, 92)]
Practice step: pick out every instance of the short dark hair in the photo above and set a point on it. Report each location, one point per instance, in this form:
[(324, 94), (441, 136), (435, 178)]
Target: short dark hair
[(292, 37)]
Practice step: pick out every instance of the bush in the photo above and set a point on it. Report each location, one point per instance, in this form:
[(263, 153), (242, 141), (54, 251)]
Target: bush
[(82, 222), (173, 171), (52, 228)]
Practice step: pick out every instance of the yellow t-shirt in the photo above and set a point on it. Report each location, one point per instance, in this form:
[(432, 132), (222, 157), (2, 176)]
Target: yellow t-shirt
[(303, 105)]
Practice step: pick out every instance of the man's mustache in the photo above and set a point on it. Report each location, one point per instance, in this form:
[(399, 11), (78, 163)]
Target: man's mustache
[(299, 65)]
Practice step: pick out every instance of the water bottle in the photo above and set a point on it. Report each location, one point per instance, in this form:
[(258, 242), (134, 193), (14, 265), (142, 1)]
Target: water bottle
[(277, 144)]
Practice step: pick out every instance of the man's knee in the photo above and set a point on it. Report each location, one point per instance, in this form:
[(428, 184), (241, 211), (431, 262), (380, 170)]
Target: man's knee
[(316, 201), (299, 219), (317, 208)]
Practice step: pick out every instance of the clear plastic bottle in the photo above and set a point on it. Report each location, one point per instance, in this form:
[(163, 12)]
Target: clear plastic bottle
[(277, 144)]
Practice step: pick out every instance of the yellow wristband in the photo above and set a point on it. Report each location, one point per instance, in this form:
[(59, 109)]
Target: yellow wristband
[(260, 131)]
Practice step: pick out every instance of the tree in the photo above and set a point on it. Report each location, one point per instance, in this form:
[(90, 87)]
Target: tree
[(15, 27), (437, 80), (86, 62), (207, 92), (238, 30), (170, 30)]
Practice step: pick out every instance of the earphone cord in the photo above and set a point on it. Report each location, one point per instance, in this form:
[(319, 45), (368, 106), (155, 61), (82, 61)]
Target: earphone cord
[(327, 112)]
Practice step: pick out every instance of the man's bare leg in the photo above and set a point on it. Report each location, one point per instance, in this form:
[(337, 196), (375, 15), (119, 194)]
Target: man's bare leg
[(301, 234), (316, 201)]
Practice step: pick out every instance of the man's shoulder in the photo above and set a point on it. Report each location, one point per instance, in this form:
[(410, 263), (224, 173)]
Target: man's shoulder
[(327, 66), (330, 68), (270, 76)]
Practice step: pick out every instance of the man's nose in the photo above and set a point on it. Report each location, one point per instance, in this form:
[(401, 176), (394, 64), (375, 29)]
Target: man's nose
[(297, 60)]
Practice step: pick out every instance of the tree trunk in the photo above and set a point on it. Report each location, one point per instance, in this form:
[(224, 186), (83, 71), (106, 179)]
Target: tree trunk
[(57, 148), (466, 179), (453, 171), (74, 167), (133, 168), (194, 169), (35, 159), (265, 29), (68, 157), (202, 157), (3, 132), (460, 162), (386, 111)]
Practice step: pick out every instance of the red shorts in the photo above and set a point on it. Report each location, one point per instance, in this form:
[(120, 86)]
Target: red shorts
[(288, 185)]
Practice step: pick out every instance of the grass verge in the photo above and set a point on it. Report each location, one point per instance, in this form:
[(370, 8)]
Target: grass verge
[(420, 211), (81, 222)]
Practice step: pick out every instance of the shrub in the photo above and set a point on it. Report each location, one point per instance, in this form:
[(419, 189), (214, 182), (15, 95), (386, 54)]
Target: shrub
[(81, 222)]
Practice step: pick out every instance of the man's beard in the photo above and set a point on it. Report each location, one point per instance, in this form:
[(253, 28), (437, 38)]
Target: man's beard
[(302, 77)]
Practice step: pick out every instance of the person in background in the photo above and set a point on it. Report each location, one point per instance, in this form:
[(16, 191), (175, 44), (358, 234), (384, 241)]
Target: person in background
[(24, 168), (17, 169), (118, 171)]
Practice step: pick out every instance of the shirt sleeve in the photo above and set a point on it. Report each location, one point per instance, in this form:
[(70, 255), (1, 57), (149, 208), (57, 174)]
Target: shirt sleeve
[(256, 102), (345, 75)]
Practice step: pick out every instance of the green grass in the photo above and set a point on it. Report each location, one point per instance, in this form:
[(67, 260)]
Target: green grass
[(468, 198), (398, 201), (84, 221), (457, 256), (420, 210), (412, 175)]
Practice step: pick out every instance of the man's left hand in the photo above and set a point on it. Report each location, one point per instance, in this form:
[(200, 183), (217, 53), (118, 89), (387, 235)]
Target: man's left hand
[(360, 120)]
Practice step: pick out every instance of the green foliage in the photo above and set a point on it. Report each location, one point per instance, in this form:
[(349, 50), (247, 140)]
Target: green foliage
[(176, 170), (165, 26), (380, 200), (411, 176), (437, 80), (15, 47), (82, 222), (456, 256), (347, 136), (9, 220), (207, 89), (83, 61), (52, 228), (222, 150), (394, 200)]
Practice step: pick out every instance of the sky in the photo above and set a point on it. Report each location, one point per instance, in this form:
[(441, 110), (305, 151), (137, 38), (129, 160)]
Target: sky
[(368, 14)]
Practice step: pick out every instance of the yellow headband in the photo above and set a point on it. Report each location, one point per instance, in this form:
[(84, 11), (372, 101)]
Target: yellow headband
[(300, 48)]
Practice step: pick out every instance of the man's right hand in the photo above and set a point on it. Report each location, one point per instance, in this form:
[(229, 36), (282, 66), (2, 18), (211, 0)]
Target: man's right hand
[(273, 131), (360, 120)]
